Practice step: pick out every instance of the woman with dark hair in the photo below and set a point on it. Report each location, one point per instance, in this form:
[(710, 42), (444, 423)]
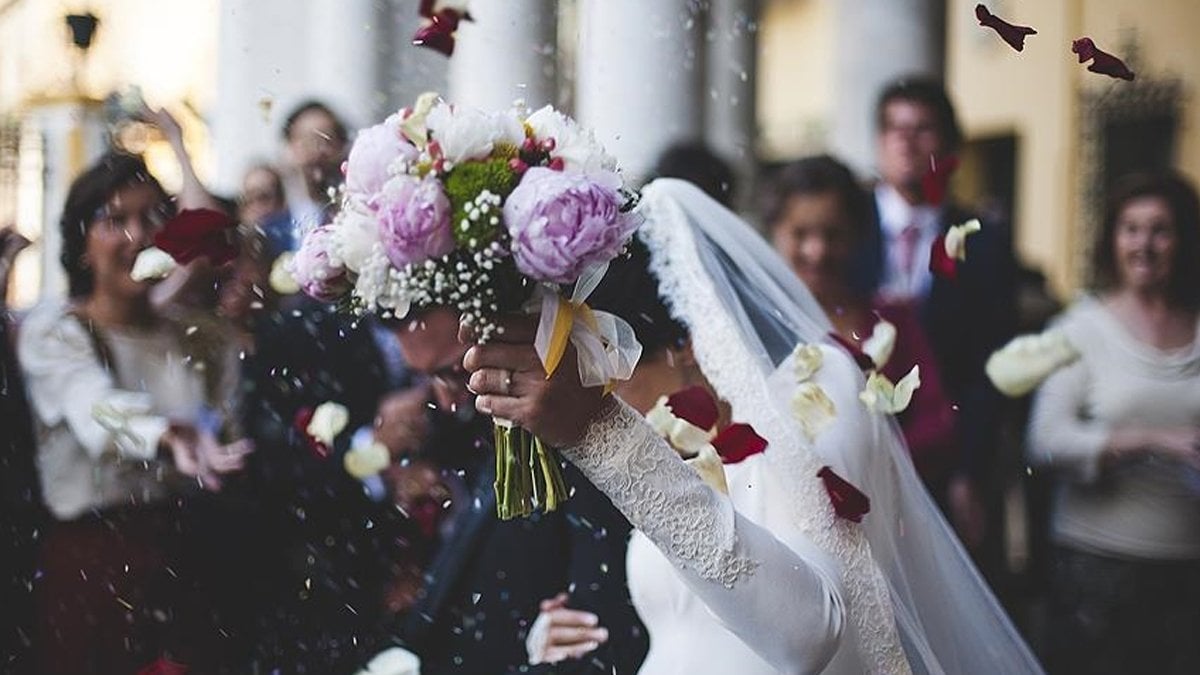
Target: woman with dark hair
[(816, 214), (127, 410), (1120, 427)]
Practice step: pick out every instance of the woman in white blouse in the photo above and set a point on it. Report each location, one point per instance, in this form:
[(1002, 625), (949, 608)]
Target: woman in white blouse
[(125, 408), (1121, 429)]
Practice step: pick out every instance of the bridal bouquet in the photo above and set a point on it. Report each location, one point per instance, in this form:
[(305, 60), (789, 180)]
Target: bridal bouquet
[(485, 213)]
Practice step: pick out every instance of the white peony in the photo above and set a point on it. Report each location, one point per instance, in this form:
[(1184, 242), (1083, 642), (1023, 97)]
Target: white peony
[(152, 263), (468, 133), (807, 361), (881, 343), (1022, 364), (355, 234), (882, 396), (576, 145), (813, 408), (328, 420)]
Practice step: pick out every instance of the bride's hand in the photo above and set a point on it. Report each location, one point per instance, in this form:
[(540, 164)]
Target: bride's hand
[(510, 383), (560, 633)]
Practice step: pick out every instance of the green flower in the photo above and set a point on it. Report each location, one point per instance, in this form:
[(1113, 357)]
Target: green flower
[(473, 189)]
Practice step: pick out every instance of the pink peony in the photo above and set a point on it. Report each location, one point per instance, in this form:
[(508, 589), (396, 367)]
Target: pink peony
[(561, 223), (311, 267), (414, 220), (374, 151)]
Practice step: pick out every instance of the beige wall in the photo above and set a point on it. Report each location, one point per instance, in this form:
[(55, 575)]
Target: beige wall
[(795, 77), (1034, 95)]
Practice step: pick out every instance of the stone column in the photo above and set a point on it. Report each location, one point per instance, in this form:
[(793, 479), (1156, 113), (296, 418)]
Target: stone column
[(639, 75), (878, 41), (730, 124), (506, 53)]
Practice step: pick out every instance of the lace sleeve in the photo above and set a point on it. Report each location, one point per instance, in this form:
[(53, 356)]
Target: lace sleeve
[(733, 565)]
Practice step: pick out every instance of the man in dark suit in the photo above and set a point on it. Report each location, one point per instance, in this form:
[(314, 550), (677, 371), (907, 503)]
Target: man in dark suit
[(965, 318), (484, 585)]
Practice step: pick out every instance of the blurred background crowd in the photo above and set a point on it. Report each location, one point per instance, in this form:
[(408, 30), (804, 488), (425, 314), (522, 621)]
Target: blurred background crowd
[(198, 523)]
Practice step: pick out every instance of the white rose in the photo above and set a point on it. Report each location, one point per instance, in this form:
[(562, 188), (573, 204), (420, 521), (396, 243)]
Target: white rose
[(882, 396), (1021, 365), (707, 463), (576, 145), (813, 408), (366, 460), (808, 360), (152, 263), (881, 343), (282, 281), (328, 420), (467, 133)]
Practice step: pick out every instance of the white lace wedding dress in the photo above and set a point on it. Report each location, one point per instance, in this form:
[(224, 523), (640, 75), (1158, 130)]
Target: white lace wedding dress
[(768, 579)]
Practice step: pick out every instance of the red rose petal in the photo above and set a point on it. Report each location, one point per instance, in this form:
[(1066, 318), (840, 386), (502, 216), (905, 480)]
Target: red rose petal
[(694, 405), (737, 442), (438, 34), (940, 262), (1013, 35), (300, 422), (937, 179), (848, 501), (1102, 62), (861, 358), (199, 233)]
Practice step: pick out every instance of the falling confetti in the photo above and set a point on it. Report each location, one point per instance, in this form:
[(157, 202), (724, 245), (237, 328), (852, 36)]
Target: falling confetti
[(1012, 34), (1102, 62)]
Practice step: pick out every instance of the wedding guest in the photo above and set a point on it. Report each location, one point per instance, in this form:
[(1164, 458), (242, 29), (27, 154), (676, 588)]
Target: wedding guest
[(123, 403), (315, 145), (816, 214), (1120, 428), (484, 584), (966, 319), (262, 204)]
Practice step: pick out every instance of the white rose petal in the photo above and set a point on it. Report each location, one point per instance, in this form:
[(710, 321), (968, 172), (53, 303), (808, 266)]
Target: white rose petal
[(687, 438), (956, 239), (393, 661), (282, 280), (808, 360), (152, 263), (707, 463), (366, 460), (467, 133), (813, 408), (413, 126), (882, 396), (1021, 365), (881, 343), (328, 420)]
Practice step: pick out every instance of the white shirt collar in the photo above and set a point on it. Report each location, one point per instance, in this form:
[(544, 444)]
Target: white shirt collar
[(895, 213)]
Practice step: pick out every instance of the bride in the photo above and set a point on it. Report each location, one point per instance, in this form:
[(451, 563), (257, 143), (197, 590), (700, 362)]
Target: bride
[(766, 579)]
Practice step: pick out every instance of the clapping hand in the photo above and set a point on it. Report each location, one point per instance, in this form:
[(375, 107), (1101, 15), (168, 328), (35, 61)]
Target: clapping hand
[(560, 633), (197, 453)]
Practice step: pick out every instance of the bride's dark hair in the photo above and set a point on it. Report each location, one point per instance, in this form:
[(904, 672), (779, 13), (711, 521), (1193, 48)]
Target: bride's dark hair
[(630, 291)]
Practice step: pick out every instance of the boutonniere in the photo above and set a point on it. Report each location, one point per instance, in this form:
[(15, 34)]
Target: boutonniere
[(1024, 363), (688, 420)]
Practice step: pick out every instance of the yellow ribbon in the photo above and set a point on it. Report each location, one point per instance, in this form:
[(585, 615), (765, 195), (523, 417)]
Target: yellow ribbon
[(565, 316)]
